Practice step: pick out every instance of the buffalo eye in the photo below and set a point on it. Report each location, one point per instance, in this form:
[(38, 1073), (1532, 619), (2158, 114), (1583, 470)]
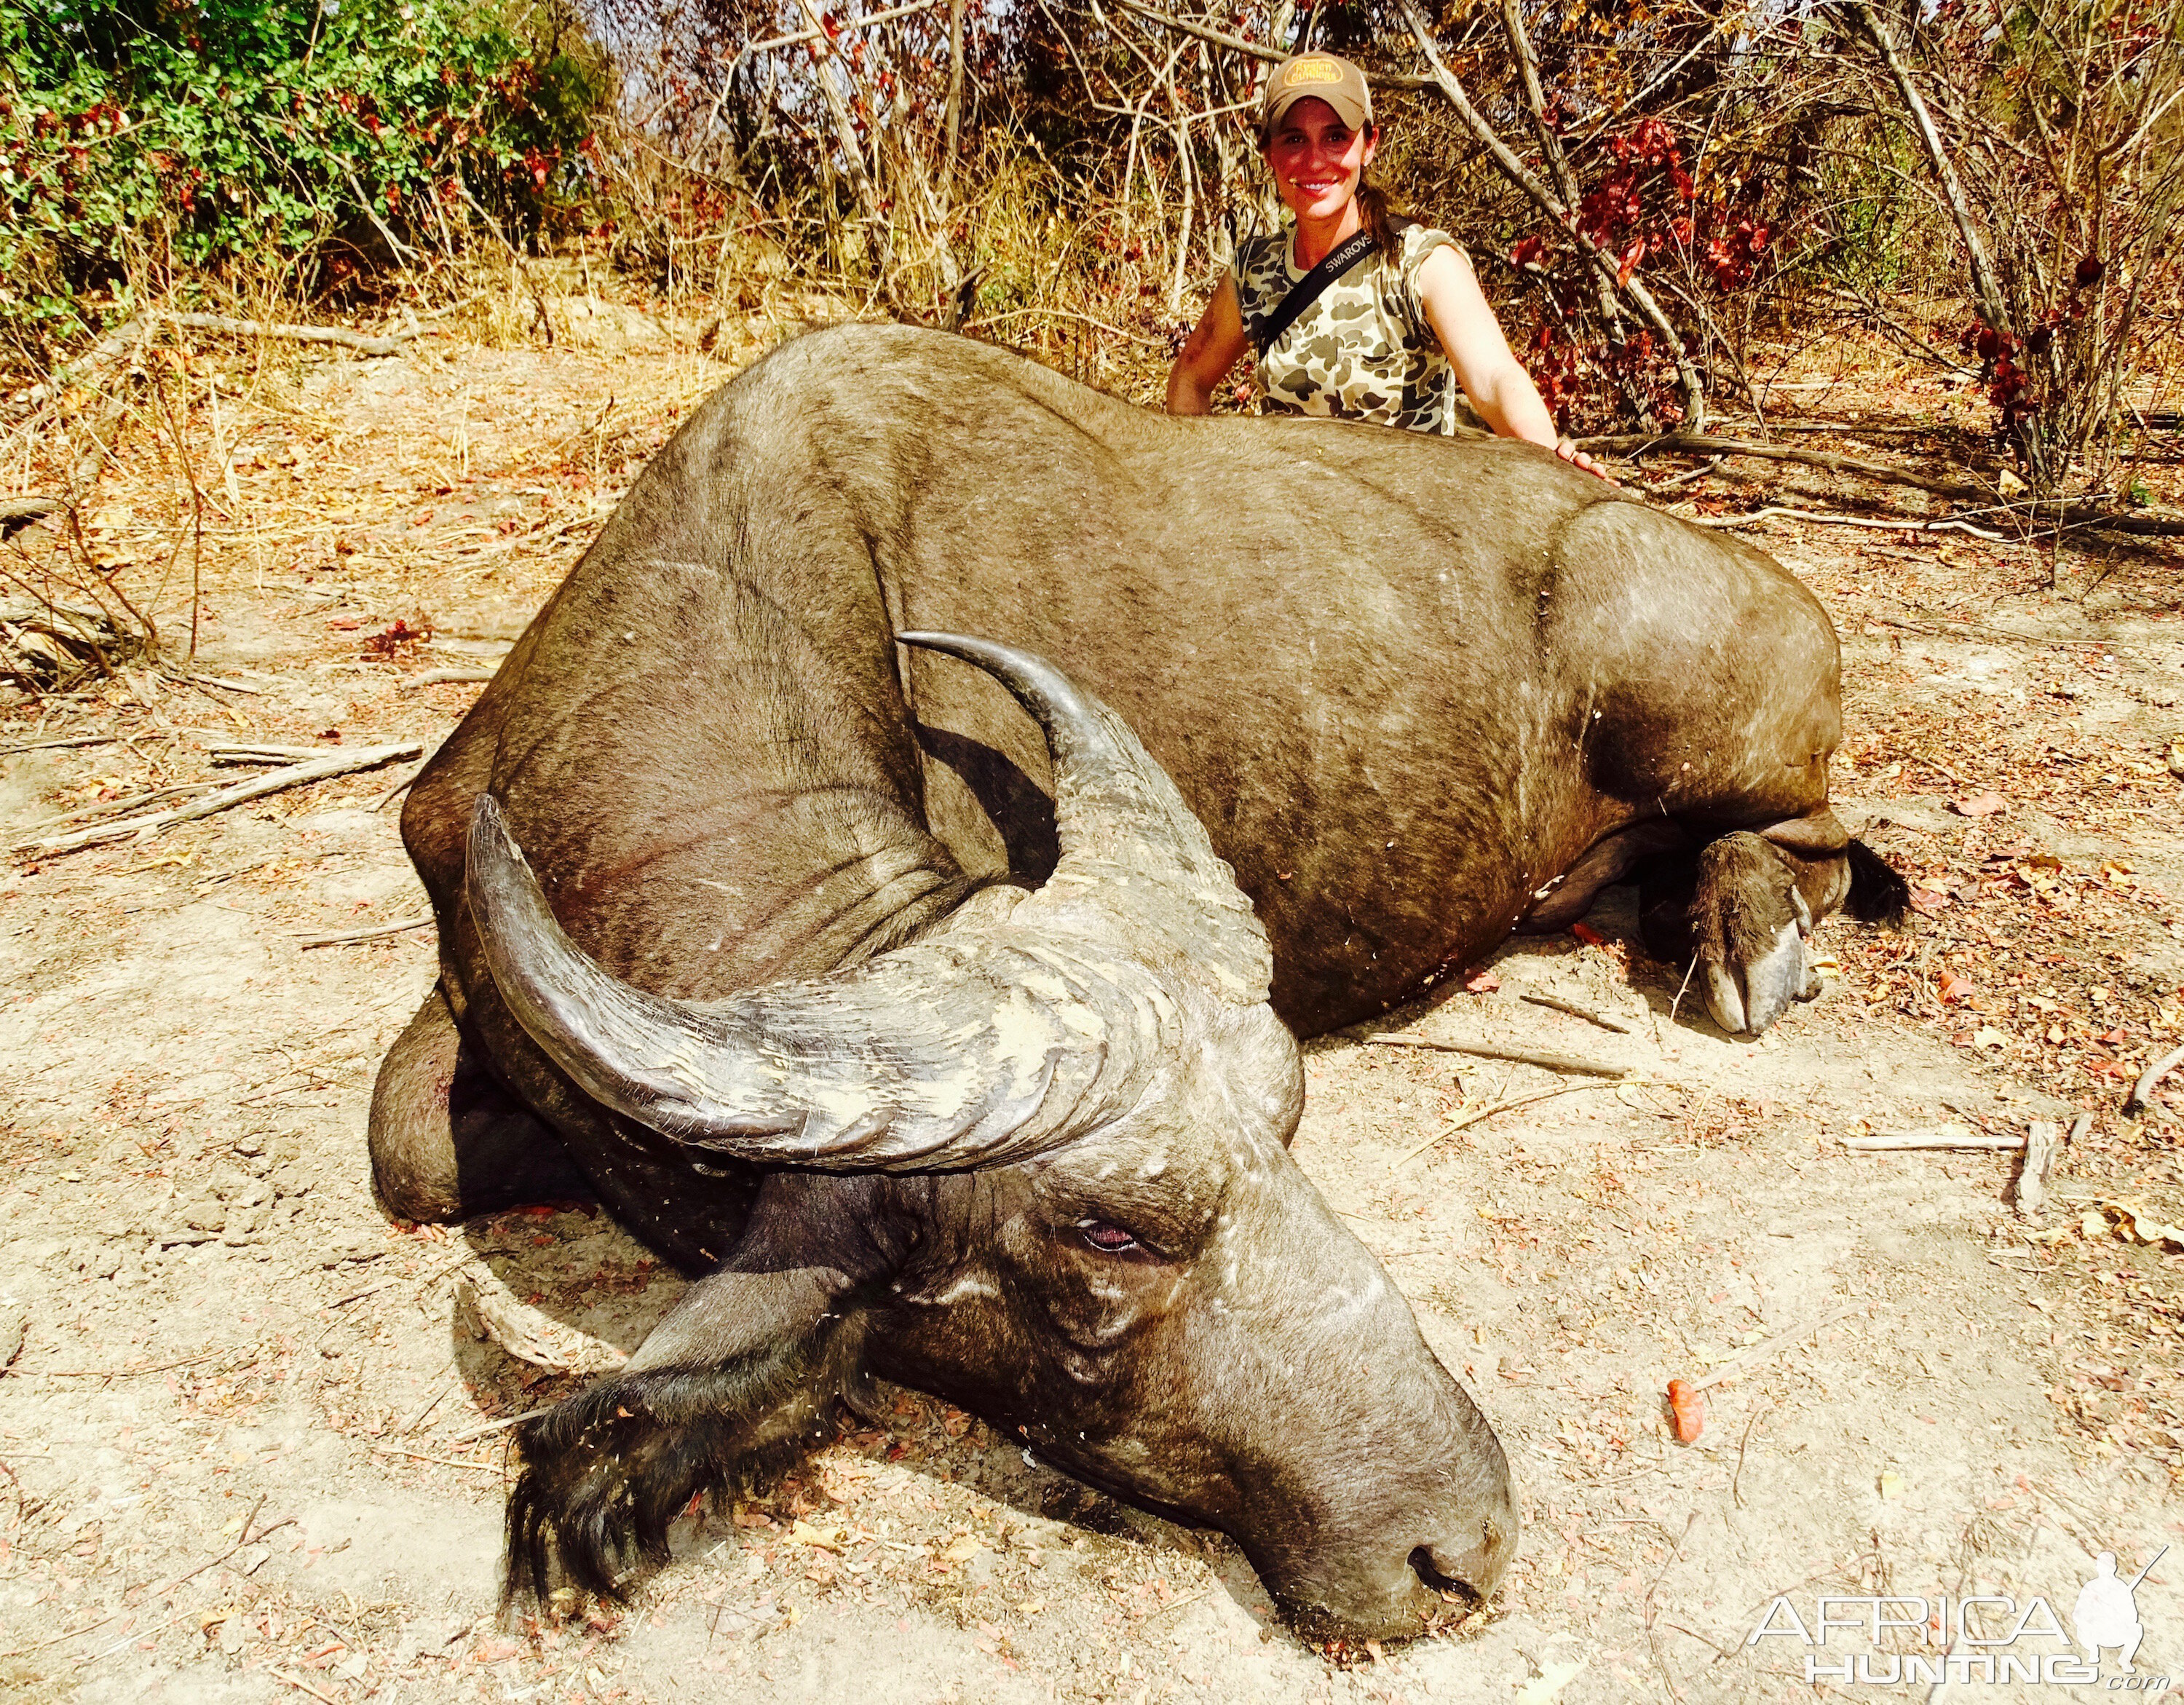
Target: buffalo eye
[(1107, 1237)]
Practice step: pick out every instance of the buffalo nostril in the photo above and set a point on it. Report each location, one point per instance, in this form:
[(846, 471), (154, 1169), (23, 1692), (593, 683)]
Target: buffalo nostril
[(1423, 1565)]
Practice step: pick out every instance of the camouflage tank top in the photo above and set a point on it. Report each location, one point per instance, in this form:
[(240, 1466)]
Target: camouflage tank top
[(1364, 351)]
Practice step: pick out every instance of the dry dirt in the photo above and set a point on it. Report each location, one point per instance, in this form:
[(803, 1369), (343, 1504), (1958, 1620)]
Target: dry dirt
[(242, 1444)]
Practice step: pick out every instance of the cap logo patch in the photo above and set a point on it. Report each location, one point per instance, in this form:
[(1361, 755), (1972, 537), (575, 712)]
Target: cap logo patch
[(1312, 72)]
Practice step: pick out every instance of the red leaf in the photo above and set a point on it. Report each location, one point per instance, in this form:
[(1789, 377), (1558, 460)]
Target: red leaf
[(1481, 983), (1980, 806), (1689, 1411), (1952, 987)]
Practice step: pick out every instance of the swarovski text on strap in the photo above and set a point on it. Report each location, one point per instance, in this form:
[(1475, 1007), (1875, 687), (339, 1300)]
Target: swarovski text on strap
[(1311, 288)]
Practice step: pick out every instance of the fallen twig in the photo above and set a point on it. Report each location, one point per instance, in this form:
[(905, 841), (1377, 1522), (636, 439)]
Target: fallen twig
[(444, 1462), (1932, 1139), (50, 745), (1736, 1480), (372, 934), (1487, 1112), (339, 336), (1550, 1063), (1260, 51), (1689, 477), (1707, 443), (302, 1686), (110, 1374), (434, 677), (529, 1333), (106, 807), (1766, 1347), (1576, 1010), (400, 788), (1821, 518), (18, 513), (2041, 1138), (2142, 1091), (319, 769), (501, 1425), (257, 752)]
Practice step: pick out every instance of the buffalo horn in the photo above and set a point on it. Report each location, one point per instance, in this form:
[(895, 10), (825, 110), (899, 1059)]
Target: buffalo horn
[(990, 1042)]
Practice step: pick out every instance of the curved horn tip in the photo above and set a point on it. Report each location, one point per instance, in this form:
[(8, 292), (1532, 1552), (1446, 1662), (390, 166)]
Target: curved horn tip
[(1060, 706), (1012, 665), (490, 824)]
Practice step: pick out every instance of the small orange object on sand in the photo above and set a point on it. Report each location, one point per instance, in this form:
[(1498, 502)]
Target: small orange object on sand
[(1689, 1412)]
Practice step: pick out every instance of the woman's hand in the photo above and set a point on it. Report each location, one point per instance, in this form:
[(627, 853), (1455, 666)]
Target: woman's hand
[(1491, 375), (1567, 450)]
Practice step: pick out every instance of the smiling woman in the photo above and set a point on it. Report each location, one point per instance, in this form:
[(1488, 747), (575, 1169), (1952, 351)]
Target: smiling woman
[(1353, 312)]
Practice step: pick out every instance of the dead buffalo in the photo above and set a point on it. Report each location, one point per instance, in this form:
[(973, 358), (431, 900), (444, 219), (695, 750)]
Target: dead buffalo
[(940, 1039)]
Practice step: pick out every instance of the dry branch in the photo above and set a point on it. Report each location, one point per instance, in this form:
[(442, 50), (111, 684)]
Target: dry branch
[(1548, 1062), (1259, 50), (32, 507), (1987, 290), (1820, 518), (528, 1334), (2040, 1139), (1478, 1115), (374, 933), (227, 685), (107, 808), (319, 769), (1553, 1004), (499, 1425), (391, 344), (50, 745), (1932, 1139), (1636, 444), (1688, 386), (845, 128), (416, 1456), (435, 677), (1767, 1346), (2143, 1091)]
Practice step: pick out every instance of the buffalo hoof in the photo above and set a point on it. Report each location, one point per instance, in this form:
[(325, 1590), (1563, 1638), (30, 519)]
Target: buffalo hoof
[(1746, 998), (1737, 910)]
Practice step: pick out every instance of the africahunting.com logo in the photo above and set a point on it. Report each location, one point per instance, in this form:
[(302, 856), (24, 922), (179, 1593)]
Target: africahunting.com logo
[(1983, 1637)]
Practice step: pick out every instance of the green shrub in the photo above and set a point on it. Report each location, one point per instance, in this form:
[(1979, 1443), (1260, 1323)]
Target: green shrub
[(139, 135)]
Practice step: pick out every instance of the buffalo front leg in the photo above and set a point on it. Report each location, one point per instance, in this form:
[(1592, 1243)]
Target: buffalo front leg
[(448, 1141), (740, 1378)]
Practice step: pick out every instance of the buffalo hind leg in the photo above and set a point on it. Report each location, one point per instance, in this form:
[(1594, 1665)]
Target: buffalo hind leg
[(1745, 907), (447, 1142)]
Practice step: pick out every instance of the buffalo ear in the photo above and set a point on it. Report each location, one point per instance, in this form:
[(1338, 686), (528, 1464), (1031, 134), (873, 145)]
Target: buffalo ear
[(739, 1380)]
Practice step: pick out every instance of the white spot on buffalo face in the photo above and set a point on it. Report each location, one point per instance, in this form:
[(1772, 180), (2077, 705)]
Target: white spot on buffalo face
[(966, 1286)]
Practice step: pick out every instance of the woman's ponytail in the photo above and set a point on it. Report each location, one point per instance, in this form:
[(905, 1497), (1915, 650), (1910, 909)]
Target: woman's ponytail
[(1385, 223)]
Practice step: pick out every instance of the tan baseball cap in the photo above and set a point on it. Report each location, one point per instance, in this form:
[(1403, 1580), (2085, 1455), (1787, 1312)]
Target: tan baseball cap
[(1326, 77)]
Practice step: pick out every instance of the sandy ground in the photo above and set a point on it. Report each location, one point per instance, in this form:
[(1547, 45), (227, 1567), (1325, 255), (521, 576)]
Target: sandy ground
[(245, 1443)]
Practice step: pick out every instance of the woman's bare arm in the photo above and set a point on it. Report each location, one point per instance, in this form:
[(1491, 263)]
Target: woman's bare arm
[(1215, 345), (1488, 370)]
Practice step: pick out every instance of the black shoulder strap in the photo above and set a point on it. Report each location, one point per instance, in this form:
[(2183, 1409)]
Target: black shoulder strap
[(1310, 288)]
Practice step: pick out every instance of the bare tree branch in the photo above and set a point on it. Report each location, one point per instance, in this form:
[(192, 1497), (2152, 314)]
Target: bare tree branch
[(1987, 290), (1688, 387)]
